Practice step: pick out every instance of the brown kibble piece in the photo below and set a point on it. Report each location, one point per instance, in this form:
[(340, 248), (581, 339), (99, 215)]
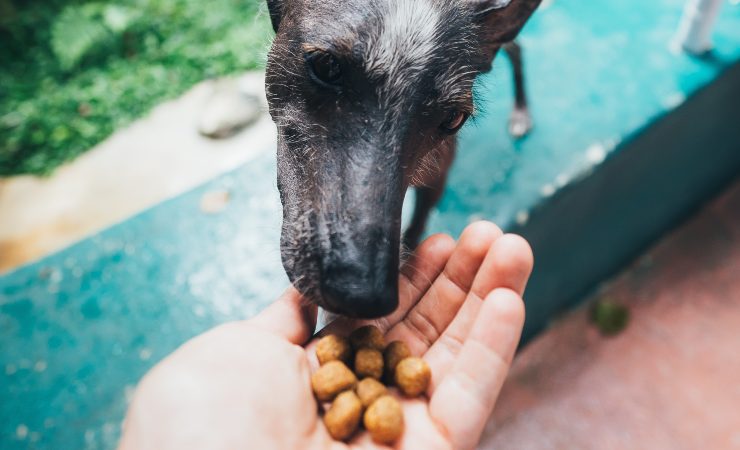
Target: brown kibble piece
[(369, 363), (384, 420), (370, 390), (331, 379), (343, 416), (368, 336), (393, 354), (413, 376), (333, 348)]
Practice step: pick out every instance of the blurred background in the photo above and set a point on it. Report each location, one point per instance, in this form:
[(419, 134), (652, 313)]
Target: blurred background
[(73, 72), (138, 207)]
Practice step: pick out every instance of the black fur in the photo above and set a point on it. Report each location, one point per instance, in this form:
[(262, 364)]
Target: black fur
[(347, 154)]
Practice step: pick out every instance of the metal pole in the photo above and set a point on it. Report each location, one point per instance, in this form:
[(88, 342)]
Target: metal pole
[(695, 31)]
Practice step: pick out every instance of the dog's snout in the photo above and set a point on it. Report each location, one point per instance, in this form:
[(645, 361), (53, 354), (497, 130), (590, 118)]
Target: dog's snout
[(367, 301), (364, 287)]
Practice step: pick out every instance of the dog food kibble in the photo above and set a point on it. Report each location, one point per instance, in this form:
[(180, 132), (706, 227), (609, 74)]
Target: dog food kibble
[(367, 336), (333, 348), (413, 376), (368, 363), (393, 354), (344, 415), (384, 420), (366, 352), (370, 390), (331, 379)]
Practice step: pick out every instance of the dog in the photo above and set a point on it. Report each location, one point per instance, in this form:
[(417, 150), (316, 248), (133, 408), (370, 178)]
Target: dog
[(367, 96)]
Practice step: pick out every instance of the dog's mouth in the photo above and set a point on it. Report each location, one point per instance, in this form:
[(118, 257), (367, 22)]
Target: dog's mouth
[(353, 301), (361, 285)]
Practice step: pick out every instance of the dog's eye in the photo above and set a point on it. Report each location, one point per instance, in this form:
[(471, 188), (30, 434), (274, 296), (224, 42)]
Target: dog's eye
[(455, 120), (324, 68)]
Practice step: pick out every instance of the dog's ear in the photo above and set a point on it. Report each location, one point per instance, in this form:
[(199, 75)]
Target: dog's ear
[(501, 20), (276, 12)]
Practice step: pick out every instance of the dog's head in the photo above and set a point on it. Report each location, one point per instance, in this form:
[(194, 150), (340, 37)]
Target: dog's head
[(365, 93)]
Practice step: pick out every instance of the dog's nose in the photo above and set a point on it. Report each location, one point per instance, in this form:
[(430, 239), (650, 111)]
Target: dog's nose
[(359, 291), (362, 301)]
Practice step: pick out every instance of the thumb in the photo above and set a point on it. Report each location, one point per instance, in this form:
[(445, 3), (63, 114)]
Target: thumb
[(291, 316)]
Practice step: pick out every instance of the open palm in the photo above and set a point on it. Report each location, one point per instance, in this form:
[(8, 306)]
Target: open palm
[(246, 384)]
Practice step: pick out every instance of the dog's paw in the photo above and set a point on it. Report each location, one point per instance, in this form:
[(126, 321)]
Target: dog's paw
[(520, 123)]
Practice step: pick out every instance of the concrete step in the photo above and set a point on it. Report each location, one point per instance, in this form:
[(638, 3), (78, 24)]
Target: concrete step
[(668, 381), (630, 137)]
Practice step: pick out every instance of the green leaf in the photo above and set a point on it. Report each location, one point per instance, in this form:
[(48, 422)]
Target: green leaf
[(74, 33), (118, 18), (609, 317)]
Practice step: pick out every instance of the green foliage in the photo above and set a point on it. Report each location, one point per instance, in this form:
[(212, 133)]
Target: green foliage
[(610, 317), (74, 71), (80, 29)]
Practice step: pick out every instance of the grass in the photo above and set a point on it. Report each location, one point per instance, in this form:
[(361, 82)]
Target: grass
[(72, 72)]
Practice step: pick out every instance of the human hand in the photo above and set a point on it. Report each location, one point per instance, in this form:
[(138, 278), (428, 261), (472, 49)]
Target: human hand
[(247, 384)]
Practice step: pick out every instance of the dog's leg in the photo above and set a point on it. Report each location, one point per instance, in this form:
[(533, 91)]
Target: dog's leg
[(426, 198), (428, 194), (520, 121)]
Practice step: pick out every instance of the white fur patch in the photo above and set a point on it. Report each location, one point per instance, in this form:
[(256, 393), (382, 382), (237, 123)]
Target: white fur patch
[(405, 42)]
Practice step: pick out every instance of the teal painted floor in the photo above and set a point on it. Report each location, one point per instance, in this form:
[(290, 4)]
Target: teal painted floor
[(79, 328)]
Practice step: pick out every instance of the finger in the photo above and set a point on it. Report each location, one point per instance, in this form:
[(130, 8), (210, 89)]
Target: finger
[(415, 278), (290, 316), (463, 402), (424, 323), (418, 274), (508, 264)]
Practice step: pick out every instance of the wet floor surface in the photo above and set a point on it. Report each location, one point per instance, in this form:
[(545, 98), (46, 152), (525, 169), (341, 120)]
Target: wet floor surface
[(158, 157)]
